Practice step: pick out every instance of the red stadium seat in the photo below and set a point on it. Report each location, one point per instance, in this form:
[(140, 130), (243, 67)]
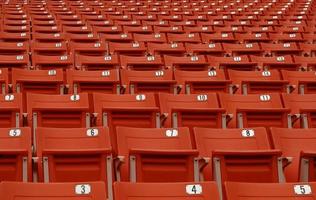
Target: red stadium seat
[(298, 146), (166, 49), (142, 63), (14, 48), (307, 63), (125, 110), (38, 81), (11, 111), (154, 37), (280, 49), (257, 82), (135, 48), (302, 82), (270, 191), (49, 48), (200, 82), (14, 61), (238, 62), (4, 80), (15, 155), (88, 48), (214, 49), (185, 37), (53, 62), (275, 62), (87, 151), (107, 81), (194, 191), (255, 110), (242, 49), (303, 109), (94, 63), (187, 63), (138, 82), (155, 155), (58, 191), (238, 155)]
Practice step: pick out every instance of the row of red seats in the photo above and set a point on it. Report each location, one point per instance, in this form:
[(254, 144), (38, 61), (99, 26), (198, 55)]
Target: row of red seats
[(163, 81), (159, 155), (153, 48), (152, 62), (145, 110)]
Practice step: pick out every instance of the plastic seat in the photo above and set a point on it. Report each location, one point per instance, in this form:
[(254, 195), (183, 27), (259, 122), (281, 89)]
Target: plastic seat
[(52, 62), (142, 63), (58, 191), (218, 37), (57, 111), (193, 110), (168, 29), (49, 48), (255, 110), (93, 63), (155, 155), (238, 62), (125, 110), (290, 37), (38, 81), (87, 151), (281, 49), (187, 63), (214, 49), (107, 81), (184, 37), (301, 82), (252, 37), (14, 61), (16, 155), (166, 49), (88, 48), (308, 49), (11, 111), (14, 48), (154, 37), (139, 82), (138, 29), (49, 37), (257, 82), (178, 191), (201, 82), (135, 48), (121, 37), (4, 80), (53, 28), (106, 28), (303, 109), (242, 49), (298, 146), (269, 191), (15, 37), (82, 37), (307, 63), (237, 155), (275, 62)]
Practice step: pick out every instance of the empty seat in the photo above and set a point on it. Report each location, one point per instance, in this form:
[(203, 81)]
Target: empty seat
[(214, 49), (14, 61), (88, 48), (166, 49), (302, 82), (86, 151), (184, 37), (303, 109), (187, 63), (14, 48), (238, 62), (270, 191), (154, 37), (257, 82), (281, 49), (107, 81), (148, 81), (38, 81), (49, 48), (52, 62), (242, 49), (255, 110), (57, 111), (125, 110), (200, 82), (4, 81), (11, 111), (307, 63), (15, 154), (275, 62), (58, 191), (120, 37), (298, 146), (141, 62), (134, 48), (218, 37), (237, 155), (93, 63), (193, 110), (163, 191), (155, 155)]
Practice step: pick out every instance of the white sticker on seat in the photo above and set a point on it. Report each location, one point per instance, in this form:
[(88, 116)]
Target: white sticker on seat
[(171, 133), (248, 133), (92, 132), (83, 189), (193, 189), (15, 132), (302, 189)]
